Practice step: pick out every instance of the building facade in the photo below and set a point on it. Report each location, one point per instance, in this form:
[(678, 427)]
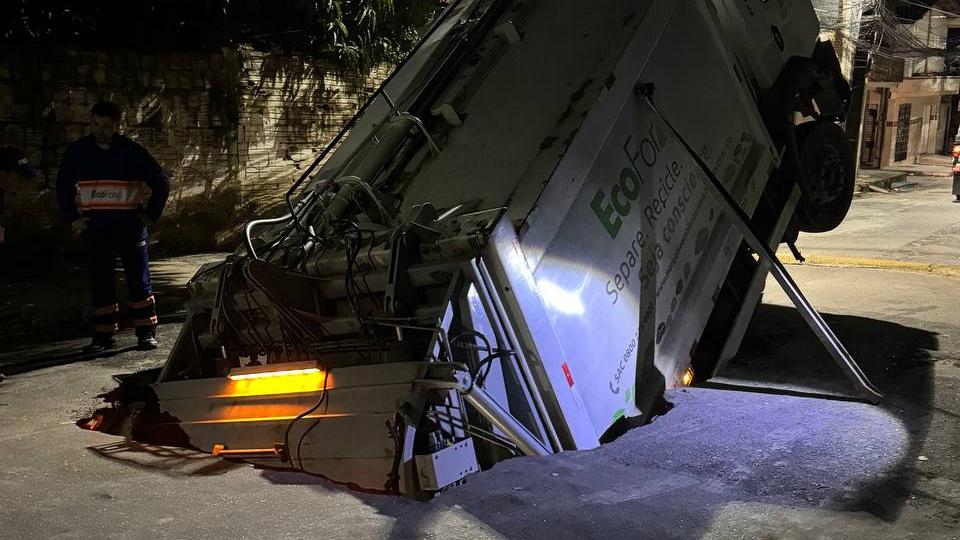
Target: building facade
[(910, 104), (840, 25)]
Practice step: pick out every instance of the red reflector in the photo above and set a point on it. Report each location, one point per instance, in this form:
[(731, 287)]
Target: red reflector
[(567, 374)]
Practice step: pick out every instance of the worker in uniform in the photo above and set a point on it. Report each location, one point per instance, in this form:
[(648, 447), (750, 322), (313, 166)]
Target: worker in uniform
[(100, 188), (956, 170)]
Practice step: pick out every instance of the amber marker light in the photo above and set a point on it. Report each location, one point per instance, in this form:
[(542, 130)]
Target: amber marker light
[(270, 371), (686, 378), (273, 379), (283, 373)]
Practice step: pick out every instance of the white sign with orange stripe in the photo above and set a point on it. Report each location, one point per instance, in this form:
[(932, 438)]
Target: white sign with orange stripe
[(110, 194)]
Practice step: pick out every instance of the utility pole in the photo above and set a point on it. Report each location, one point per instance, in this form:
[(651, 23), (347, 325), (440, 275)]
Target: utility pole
[(853, 128)]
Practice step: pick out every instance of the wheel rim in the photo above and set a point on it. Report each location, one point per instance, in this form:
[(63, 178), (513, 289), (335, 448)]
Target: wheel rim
[(826, 180)]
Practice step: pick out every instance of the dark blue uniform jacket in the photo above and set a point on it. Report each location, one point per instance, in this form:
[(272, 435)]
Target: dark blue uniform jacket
[(106, 186)]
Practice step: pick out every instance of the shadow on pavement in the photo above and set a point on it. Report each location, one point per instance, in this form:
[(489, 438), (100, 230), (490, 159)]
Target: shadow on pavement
[(779, 349), (57, 356), (46, 301), (163, 459)]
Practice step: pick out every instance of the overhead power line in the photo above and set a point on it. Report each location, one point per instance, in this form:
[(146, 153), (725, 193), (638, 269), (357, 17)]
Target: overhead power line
[(892, 28)]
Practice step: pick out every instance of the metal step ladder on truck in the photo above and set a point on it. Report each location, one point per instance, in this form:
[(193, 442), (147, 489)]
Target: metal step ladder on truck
[(549, 214)]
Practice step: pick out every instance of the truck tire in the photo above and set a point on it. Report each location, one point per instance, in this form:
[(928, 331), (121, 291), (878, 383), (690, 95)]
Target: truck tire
[(827, 176)]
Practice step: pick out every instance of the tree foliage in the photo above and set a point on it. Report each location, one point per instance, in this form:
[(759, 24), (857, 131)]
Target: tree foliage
[(352, 33)]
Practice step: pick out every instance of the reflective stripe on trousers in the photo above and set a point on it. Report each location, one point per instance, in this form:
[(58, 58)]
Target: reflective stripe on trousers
[(132, 251), (105, 318), (144, 312)]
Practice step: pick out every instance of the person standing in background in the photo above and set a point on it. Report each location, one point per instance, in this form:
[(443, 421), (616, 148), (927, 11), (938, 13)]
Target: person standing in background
[(107, 172), (14, 168)]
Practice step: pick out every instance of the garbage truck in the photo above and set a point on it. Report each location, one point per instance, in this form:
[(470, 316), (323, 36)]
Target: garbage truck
[(549, 214)]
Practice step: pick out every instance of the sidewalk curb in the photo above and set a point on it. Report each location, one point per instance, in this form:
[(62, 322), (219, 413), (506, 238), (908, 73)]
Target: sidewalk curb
[(945, 270), (864, 182)]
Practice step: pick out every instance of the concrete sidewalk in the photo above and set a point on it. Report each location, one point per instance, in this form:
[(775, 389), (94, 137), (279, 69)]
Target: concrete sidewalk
[(927, 165), (902, 175)]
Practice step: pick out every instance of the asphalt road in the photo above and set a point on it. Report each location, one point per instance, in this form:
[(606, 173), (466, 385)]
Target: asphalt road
[(921, 225), (736, 462)]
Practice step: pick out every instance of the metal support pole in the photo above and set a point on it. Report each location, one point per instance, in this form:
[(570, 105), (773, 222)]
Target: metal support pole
[(521, 357), (813, 319), (504, 332), (480, 400)]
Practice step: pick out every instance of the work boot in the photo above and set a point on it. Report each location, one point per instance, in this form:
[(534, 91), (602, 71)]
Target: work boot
[(100, 343), (147, 342)]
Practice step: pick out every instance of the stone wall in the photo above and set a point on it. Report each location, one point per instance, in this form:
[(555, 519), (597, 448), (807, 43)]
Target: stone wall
[(232, 127)]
